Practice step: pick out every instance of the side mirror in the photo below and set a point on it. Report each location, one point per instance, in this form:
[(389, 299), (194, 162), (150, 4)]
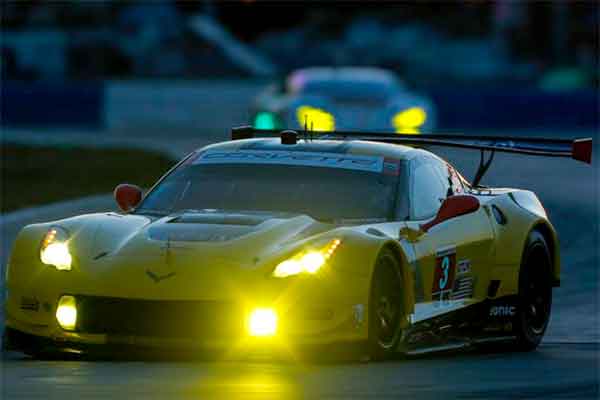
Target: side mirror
[(453, 206), (127, 196)]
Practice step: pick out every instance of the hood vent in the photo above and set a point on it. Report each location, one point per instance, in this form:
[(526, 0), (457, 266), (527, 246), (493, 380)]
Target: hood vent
[(219, 219)]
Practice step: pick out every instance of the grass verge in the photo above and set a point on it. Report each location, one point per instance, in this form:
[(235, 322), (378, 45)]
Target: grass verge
[(35, 175)]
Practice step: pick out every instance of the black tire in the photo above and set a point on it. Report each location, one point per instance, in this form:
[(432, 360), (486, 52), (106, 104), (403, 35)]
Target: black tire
[(535, 294), (385, 306)]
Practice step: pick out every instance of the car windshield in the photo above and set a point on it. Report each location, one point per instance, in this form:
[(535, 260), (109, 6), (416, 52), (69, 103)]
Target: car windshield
[(349, 89), (325, 193)]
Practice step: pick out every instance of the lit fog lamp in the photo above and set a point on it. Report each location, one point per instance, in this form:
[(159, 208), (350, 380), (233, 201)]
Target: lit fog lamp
[(262, 322), (66, 313)]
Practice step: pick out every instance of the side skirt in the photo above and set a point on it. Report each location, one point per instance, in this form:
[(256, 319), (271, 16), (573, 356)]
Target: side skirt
[(484, 322)]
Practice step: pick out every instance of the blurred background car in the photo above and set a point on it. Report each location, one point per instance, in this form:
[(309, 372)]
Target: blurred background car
[(130, 69), (344, 98)]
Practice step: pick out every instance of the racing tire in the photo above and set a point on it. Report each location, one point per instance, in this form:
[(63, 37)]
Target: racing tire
[(534, 301), (385, 307)]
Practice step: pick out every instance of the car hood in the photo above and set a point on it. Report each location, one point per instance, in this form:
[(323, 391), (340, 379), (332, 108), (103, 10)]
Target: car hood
[(180, 256), (234, 234)]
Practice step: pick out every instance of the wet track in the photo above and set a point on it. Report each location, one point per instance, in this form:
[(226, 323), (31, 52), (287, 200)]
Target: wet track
[(555, 371), (565, 365)]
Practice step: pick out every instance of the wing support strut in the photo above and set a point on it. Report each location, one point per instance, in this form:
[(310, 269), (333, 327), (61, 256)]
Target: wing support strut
[(484, 165)]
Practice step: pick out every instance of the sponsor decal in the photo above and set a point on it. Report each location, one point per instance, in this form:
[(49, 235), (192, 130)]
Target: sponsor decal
[(463, 288), (443, 276), (464, 283), (464, 267), (503, 311), (301, 158)]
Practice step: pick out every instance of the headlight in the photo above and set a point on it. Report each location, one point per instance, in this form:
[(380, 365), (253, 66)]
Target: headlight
[(409, 120), (66, 313), (306, 262), (55, 249), (317, 119)]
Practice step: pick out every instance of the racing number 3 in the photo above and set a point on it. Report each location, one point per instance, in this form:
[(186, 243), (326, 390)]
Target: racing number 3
[(443, 277)]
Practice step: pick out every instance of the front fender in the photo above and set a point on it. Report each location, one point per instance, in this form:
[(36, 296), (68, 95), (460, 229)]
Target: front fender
[(358, 262)]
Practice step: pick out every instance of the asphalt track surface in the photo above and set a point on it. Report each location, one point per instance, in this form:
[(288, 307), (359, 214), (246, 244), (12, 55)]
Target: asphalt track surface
[(564, 366)]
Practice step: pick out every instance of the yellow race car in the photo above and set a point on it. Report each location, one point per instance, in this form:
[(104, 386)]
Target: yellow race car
[(285, 243)]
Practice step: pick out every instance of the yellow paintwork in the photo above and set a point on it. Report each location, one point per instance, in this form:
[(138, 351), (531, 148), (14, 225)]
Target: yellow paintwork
[(113, 252)]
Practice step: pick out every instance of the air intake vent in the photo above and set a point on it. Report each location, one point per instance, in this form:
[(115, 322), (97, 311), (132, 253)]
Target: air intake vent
[(29, 303)]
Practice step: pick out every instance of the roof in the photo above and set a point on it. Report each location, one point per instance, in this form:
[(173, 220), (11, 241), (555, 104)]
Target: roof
[(357, 147)]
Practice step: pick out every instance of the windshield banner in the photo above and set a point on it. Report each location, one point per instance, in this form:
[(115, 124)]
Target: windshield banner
[(310, 159)]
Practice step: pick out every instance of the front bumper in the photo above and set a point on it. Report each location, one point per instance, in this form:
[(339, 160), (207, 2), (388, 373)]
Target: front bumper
[(135, 326), (39, 346)]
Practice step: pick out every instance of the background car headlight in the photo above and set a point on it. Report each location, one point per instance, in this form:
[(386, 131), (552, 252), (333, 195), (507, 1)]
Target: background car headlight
[(409, 120), (317, 119), (66, 312), (55, 249), (306, 262)]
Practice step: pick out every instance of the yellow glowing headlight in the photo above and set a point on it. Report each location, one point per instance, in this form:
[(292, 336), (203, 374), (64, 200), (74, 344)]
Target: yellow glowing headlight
[(66, 313), (55, 249), (262, 322), (306, 262), (409, 120), (317, 119)]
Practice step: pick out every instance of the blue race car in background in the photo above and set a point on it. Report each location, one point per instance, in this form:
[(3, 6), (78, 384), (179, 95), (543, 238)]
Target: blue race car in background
[(348, 98)]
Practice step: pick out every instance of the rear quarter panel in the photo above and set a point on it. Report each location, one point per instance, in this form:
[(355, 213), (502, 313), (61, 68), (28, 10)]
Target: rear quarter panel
[(511, 237)]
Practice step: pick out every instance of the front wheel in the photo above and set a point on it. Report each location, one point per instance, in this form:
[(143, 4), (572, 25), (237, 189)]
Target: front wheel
[(535, 294), (385, 306)]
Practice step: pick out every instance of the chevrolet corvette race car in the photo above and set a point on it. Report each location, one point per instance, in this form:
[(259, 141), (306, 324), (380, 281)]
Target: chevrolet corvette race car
[(285, 242), (348, 98)]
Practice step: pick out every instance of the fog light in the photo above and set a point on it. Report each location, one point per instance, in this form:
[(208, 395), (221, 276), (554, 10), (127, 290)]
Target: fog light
[(66, 313), (262, 322)]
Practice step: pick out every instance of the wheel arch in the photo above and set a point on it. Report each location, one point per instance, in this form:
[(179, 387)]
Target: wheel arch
[(550, 236), (407, 276), (525, 214)]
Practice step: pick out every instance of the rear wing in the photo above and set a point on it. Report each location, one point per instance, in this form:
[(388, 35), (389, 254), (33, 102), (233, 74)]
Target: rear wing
[(577, 149)]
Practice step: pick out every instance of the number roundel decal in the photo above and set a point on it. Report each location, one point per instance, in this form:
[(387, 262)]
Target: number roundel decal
[(443, 276), (445, 267)]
